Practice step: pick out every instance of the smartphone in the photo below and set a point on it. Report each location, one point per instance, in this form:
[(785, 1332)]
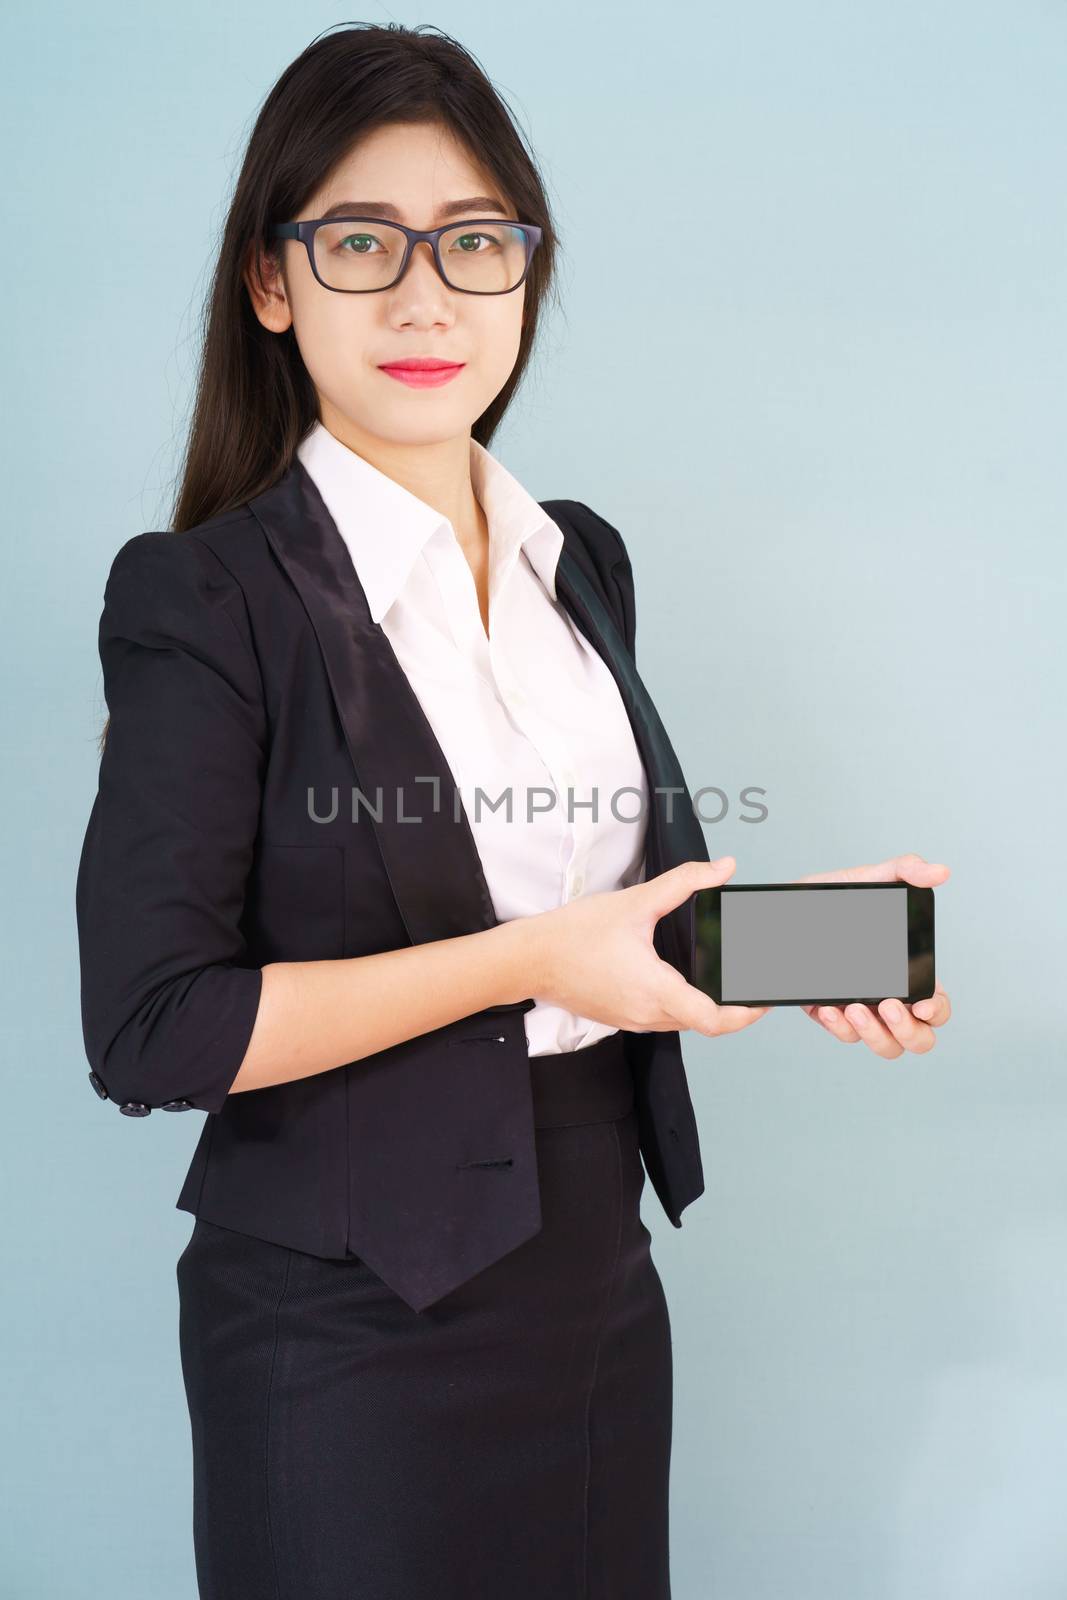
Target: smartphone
[(800, 944)]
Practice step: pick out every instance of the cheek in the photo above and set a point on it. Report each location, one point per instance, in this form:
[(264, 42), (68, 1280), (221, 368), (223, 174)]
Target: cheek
[(499, 344), (332, 336)]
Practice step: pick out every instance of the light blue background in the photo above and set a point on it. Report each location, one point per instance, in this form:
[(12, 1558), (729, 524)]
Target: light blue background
[(812, 365)]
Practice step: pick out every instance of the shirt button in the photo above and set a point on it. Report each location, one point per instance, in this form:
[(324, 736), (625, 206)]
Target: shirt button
[(579, 880)]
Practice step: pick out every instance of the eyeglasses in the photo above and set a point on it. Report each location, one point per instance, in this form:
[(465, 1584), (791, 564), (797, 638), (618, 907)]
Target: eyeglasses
[(483, 256)]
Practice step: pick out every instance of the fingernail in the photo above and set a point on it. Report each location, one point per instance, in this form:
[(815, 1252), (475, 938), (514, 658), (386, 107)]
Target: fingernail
[(893, 1010), (830, 1013), (859, 1019)]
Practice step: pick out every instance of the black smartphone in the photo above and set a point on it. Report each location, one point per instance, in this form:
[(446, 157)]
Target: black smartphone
[(800, 944)]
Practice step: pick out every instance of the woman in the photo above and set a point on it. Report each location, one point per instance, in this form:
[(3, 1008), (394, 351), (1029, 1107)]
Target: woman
[(425, 1347)]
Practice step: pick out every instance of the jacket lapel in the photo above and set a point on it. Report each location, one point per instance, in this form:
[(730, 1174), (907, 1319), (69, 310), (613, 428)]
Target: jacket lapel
[(430, 857), (423, 832), (674, 831)]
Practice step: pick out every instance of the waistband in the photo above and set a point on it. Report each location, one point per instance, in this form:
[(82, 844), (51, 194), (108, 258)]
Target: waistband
[(593, 1084)]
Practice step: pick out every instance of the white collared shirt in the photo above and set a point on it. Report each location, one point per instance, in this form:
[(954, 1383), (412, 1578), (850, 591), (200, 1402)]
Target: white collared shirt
[(530, 711)]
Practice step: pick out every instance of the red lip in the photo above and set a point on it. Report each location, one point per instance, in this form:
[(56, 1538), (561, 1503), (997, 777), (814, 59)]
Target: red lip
[(419, 364), (422, 372)]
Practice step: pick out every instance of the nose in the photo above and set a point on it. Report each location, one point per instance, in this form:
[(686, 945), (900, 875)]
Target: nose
[(421, 293), (427, 258)]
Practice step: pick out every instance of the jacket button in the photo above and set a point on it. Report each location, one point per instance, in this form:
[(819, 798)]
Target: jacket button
[(176, 1105), (135, 1108), (98, 1085)]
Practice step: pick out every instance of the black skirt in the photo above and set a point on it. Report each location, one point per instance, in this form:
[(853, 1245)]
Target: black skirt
[(510, 1441)]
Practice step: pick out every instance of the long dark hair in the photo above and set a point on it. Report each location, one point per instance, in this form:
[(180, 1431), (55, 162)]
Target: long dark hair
[(254, 400)]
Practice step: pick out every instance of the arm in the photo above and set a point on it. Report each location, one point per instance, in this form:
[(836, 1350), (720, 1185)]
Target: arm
[(171, 1011), (315, 1015)]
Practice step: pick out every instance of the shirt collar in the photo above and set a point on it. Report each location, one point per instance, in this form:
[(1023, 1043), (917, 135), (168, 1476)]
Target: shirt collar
[(385, 526)]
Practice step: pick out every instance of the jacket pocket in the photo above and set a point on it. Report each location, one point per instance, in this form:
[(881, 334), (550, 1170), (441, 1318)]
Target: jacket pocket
[(295, 906)]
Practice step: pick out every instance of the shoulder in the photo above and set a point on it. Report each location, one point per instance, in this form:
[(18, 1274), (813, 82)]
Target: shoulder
[(605, 542), (606, 549), (165, 589), (199, 556), (210, 563)]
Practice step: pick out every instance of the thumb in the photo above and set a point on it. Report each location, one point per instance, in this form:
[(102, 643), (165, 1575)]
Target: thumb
[(671, 888)]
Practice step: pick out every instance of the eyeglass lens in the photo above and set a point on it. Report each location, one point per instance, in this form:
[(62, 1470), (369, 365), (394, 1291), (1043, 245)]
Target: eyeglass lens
[(487, 259)]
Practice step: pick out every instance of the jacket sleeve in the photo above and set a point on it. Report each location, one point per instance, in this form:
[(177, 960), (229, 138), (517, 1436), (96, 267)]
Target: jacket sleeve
[(623, 577), (167, 1004)]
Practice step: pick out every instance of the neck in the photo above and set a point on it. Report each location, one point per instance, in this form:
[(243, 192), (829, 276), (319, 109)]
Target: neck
[(438, 473)]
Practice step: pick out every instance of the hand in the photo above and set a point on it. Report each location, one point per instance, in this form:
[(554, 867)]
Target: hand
[(594, 956), (896, 1026)]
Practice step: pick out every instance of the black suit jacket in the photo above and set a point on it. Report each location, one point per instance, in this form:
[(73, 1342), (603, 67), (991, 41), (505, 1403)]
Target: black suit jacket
[(241, 671)]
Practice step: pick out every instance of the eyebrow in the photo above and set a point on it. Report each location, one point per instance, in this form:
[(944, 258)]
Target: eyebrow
[(472, 207)]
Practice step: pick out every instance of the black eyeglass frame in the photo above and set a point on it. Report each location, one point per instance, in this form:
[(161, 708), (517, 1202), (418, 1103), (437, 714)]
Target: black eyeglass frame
[(305, 233)]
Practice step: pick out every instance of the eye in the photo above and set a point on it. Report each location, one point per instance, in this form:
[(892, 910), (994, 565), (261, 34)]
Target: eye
[(360, 240), (466, 241)]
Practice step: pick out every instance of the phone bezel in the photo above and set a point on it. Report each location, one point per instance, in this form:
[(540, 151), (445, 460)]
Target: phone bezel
[(706, 961)]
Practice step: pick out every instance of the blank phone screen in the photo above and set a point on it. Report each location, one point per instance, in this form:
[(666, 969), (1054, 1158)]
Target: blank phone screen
[(783, 944)]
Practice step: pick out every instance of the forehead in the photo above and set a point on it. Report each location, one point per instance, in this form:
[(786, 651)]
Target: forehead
[(409, 171)]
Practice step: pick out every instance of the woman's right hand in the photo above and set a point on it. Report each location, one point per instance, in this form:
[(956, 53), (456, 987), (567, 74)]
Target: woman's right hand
[(595, 957)]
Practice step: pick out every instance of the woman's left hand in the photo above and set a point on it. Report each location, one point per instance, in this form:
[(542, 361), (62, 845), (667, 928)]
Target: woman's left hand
[(896, 1026)]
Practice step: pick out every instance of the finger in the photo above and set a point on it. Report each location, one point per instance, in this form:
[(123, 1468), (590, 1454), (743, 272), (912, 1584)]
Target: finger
[(907, 1030), (669, 889), (873, 1032), (718, 1019), (867, 872), (732, 1019), (910, 868), (835, 1022), (936, 1010), (689, 1007)]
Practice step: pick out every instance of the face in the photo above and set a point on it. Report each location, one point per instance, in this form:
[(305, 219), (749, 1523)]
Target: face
[(345, 338)]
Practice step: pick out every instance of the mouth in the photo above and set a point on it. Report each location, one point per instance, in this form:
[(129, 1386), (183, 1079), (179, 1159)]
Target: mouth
[(422, 372)]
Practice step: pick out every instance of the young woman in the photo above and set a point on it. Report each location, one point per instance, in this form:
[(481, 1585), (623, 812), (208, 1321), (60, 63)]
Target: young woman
[(425, 1347)]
